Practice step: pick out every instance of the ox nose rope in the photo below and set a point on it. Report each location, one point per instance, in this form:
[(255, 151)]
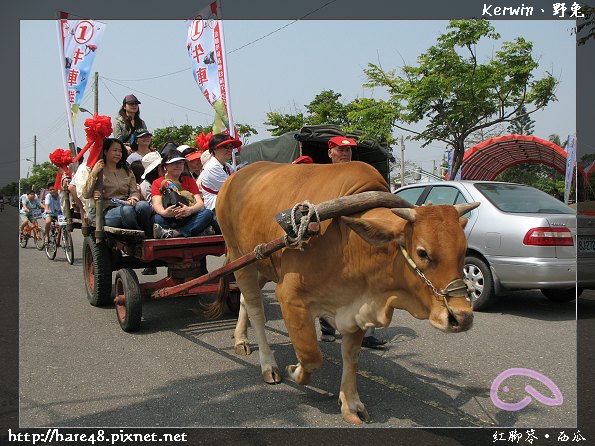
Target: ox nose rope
[(457, 287)]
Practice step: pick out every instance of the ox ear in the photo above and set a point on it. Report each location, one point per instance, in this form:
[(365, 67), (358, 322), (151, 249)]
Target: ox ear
[(405, 213), (372, 231), (463, 221)]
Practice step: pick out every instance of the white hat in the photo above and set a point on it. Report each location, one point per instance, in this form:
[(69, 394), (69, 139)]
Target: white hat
[(150, 161), (182, 148), (174, 159)]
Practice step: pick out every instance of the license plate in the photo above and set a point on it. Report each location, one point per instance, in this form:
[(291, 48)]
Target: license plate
[(586, 244)]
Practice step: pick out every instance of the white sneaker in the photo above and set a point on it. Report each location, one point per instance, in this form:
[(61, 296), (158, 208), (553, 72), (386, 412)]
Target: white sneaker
[(157, 231), (170, 233)]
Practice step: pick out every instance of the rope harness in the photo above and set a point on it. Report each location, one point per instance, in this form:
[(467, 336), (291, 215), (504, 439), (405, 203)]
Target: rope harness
[(456, 288), (301, 217)]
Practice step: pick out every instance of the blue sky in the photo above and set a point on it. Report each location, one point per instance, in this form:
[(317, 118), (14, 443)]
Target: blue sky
[(280, 72)]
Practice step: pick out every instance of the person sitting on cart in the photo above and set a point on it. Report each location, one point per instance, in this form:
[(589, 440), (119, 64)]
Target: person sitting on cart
[(119, 183), (179, 220), (29, 203), (52, 207), (217, 169)]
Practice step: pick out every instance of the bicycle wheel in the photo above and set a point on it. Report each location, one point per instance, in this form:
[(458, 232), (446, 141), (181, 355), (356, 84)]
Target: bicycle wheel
[(68, 245), (23, 239), (38, 237), (50, 246)]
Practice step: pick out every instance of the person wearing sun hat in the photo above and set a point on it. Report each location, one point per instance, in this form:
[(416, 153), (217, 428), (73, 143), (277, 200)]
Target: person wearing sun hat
[(178, 220), (339, 149), (217, 169), (194, 161), (128, 120), (153, 170), (140, 146)]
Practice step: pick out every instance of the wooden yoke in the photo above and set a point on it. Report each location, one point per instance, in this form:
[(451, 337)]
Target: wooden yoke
[(337, 207)]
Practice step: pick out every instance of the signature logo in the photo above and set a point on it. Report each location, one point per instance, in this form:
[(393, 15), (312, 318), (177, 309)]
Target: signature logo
[(513, 407)]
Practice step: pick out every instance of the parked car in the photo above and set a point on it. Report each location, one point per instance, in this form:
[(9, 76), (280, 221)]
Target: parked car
[(518, 238)]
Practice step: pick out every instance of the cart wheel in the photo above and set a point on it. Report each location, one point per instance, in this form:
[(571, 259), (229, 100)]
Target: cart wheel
[(128, 300), (68, 245), (97, 272), (233, 302)]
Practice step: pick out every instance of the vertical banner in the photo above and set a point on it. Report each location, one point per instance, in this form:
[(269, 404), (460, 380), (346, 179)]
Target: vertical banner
[(570, 165), (78, 42), (206, 49)]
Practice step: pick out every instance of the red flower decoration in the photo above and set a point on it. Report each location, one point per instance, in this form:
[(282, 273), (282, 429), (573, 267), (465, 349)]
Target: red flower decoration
[(202, 140), (97, 129), (61, 158)]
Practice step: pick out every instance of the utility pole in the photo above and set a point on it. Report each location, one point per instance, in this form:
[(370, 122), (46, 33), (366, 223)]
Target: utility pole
[(96, 95), (34, 150), (402, 162)]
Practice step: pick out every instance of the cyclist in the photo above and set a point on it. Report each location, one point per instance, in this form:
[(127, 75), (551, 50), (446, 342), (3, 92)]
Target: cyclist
[(28, 204), (52, 207)]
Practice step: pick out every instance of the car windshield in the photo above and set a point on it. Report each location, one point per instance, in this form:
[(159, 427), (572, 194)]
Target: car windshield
[(516, 198)]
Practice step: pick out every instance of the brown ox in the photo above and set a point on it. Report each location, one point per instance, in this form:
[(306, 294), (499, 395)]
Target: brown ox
[(354, 273)]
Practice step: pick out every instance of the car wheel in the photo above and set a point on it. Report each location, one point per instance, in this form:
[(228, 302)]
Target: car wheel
[(478, 272), (561, 295)]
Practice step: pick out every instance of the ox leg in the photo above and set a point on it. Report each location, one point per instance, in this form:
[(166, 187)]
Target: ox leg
[(302, 333), (251, 304), (352, 409), (240, 334)]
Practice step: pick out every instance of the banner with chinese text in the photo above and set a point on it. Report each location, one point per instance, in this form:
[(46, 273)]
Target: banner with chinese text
[(206, 49), (79, 41), (570, 165)]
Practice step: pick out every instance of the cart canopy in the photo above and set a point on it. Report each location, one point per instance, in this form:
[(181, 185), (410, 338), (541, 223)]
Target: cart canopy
[(313, 142)]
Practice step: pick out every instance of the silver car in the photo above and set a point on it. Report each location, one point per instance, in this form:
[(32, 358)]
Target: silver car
[(518, 238)]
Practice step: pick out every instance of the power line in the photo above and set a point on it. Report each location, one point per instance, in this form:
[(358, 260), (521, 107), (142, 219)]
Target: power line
[(232, 51), (162, 100)]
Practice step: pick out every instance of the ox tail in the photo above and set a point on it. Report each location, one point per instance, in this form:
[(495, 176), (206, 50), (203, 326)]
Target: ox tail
[(217, 307)]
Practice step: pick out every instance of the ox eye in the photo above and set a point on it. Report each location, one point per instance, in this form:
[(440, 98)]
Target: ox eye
[(422, 254)]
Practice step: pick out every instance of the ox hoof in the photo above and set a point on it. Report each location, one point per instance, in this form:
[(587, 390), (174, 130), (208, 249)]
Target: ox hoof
[(272, 376), (356, 417), (242, 349), (297, 374)]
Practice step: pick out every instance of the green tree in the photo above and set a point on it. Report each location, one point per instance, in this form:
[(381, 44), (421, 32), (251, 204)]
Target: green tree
[(458, 95), (186, 134), (10, 189), (521, 124), (41, 175), (373, 118)]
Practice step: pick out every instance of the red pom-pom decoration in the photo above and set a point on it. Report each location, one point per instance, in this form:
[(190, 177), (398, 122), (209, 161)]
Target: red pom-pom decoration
[(202, 140)]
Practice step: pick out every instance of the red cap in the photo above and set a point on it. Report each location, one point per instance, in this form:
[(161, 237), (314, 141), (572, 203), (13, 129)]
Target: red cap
[(305, 159), (194, 155), (341, 141)]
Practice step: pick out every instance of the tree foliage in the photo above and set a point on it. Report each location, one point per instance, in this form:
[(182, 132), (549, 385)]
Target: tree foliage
[(186, 134), (373, 118), (521, 124), (41, 175), (456, 95)]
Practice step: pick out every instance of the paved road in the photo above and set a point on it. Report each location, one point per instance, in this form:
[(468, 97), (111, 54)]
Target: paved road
[(78, 368)]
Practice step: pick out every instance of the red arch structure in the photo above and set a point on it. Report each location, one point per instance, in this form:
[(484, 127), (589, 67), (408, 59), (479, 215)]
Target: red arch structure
[(486, 160)]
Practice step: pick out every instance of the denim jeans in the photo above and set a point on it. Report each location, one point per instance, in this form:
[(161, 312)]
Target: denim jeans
[(131, 217), (195, 225)]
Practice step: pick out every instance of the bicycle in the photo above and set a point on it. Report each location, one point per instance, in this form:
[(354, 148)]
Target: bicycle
[(32, 229), (59, 236)]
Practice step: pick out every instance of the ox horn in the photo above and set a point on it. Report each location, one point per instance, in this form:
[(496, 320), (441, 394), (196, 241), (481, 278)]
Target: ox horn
[(466, 207), (404, 213)]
